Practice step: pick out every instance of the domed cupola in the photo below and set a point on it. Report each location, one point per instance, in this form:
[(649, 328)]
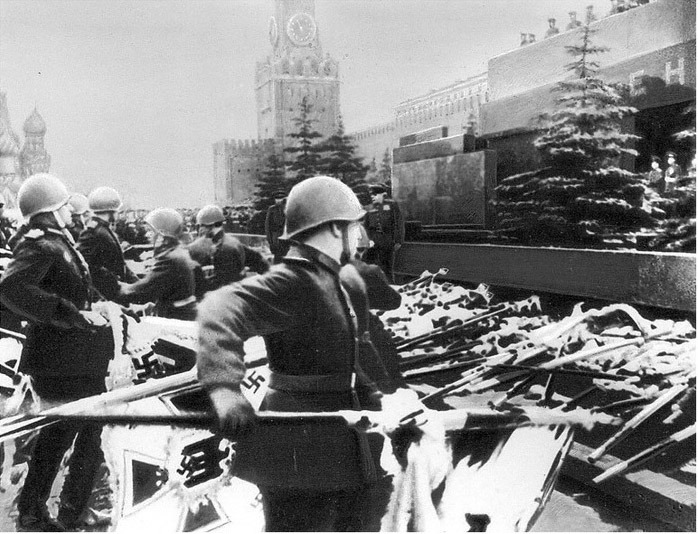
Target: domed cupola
[(34, 125)]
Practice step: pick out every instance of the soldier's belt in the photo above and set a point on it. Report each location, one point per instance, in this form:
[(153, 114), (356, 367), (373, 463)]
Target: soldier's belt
[(312, 383)]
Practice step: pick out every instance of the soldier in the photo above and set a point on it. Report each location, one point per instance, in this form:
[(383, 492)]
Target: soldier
[(274, 226), (656, 176), (672, 173), (66, 352), (573, 23), (385, 228), (100, 245), (590, 16), (222, 256), (171, 282), (4, 236), (552, 29), (80, 209), (308, 323)]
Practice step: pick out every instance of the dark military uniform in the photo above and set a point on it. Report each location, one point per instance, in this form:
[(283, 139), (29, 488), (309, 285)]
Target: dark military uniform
[(101, 248), (378, 357), (170, 284), (48, 283), (223, 258), (672, 174), (656, 178), (308, 323), (386, 229), (274, 227)]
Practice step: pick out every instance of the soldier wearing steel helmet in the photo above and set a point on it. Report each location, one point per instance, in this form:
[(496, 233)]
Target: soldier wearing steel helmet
[(66, 352), (309, 325), (100, 245), (80, 214), (222, 256), (171, 282)]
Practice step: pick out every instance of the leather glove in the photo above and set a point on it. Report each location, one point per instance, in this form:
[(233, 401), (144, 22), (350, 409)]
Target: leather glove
[(235, 414)]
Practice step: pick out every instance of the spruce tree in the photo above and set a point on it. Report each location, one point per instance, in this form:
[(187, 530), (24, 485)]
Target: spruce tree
[(386, 169), (272, 181), (305, 156), (582, 197), (339, 158)]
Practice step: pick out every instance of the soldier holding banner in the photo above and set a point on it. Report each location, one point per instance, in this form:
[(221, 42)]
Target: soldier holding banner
[(309, 324), (66, 352), (171, 282), (222, 256), (100, 245)]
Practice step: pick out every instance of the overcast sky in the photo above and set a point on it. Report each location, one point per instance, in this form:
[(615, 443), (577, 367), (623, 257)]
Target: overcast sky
[(134, 93)]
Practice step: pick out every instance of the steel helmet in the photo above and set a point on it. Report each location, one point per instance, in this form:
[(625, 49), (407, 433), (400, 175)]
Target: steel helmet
[(209, 215), (79, 203), (166, 221), (41, 193), (105, 199), (317, 201)]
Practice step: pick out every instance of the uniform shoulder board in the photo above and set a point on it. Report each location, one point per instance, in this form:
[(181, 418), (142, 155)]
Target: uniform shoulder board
[(91, 224), (34, 233)]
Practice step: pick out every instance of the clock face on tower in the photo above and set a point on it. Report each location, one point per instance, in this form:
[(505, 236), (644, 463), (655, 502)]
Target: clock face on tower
[(273, 31), (301, 28)]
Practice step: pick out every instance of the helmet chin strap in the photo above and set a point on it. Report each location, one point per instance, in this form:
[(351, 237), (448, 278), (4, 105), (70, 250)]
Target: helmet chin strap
[(346, 255), (63, 226), (59, 219)]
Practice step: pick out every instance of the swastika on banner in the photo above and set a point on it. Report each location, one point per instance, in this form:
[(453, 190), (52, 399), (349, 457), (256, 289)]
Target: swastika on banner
[(202, 460)]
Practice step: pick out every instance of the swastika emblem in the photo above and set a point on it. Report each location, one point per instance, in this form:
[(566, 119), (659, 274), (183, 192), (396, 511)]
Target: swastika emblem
[(254, 381)]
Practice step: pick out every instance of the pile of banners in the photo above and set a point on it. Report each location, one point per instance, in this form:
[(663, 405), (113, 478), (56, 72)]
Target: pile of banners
[(458, 469)]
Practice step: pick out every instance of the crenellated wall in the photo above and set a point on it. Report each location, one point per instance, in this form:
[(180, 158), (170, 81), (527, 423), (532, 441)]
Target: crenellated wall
[(237, 167), (455, 106)]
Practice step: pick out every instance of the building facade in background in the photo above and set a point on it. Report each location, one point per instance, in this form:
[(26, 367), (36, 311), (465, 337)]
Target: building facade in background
[(456, 107), (296, 69), (651, 49), (18, 164), (9, 152), (33, 157)]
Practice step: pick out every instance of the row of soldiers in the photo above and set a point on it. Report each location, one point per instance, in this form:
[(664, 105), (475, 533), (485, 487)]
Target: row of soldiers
[(665, 180), (312, 307)]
